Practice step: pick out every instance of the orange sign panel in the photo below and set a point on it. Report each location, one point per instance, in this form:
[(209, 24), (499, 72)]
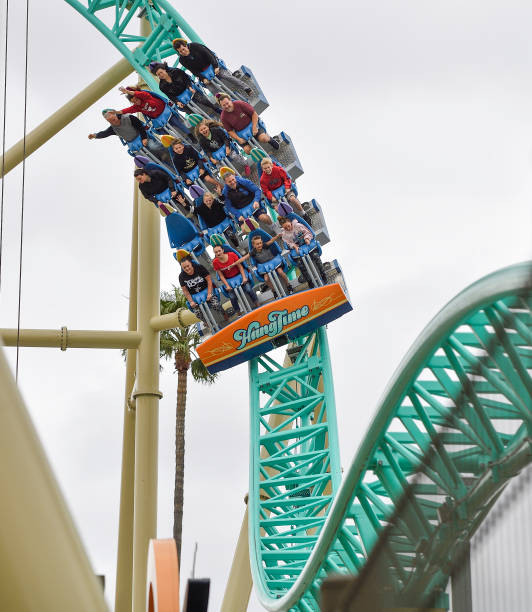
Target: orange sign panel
[(261, 330)]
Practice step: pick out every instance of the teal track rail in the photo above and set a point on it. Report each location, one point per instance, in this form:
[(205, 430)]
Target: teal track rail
[(469, 373), (303, 527)]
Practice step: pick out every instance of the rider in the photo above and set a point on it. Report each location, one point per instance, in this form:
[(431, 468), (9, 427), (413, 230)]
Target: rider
[(262, 253), (129, 128), (239, 193), (212, 137), (153, 181), (185, 159), (237, 115), (197, 58), (295, 234), (222, 264), (174, 81), (212, 211), (193, 279), (273, 177), (144, 102)]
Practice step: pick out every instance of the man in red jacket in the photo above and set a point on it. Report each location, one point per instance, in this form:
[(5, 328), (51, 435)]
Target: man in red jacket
[(272, 177), (144, 102)]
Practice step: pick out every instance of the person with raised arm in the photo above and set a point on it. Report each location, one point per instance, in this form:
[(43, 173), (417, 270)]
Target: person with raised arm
[(262, 253), (151, 106), (129, 128)]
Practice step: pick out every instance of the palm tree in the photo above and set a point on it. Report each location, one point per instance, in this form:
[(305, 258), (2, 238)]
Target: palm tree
[(180, 345)]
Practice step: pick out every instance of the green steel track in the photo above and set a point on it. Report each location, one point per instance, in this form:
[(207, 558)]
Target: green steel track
[(470, 372), (463, 392)]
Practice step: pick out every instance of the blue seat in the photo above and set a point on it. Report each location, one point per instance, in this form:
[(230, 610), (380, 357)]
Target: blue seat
[(247, 132), (160, 121), (133, 146), (208, 73), (193, 175), (186, 96), (183, 234), (219, 154), (278, 260), (201, 296)]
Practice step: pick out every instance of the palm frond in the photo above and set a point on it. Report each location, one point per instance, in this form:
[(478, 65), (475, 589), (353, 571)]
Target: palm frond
[(200, 373)]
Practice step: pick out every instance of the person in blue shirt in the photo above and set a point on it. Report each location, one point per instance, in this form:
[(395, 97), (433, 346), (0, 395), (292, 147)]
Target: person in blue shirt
[(238, 194)]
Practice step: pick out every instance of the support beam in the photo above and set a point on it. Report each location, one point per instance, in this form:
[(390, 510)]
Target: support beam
[(64, 338), (181, 318), (67, 113), (124, 564), (43, 565), (147, 396)]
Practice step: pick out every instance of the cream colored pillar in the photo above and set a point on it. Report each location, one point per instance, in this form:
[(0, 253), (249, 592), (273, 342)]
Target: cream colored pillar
[(43, 565), (147, 397), (67, 113), (124, 564)]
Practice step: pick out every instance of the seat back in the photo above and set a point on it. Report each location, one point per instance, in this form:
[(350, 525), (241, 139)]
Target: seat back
[(162, 119), (133, 146), (181, 231), (208, 73), (279, 193), (304, 249), (247, 132), (186, 96), (219, 154), (193, 174)]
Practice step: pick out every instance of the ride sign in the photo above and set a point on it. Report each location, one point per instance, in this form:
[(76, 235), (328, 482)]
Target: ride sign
[(272, 325)]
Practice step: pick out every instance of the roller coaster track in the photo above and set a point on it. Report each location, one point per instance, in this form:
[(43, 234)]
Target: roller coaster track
[(463, 394)]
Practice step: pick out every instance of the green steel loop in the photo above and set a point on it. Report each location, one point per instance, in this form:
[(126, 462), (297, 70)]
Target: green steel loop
[(117, 20), (484, 334)]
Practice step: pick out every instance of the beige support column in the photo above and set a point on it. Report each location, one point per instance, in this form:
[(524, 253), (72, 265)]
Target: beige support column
[(124, 564), (239, 585), (147, 397), (67, 113), (43, 565)]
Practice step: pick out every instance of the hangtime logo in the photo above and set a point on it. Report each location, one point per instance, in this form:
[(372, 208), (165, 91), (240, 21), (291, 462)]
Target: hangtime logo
[(278, 320)]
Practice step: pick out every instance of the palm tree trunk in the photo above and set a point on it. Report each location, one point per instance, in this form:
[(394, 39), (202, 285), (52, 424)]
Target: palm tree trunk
[(179, 458)]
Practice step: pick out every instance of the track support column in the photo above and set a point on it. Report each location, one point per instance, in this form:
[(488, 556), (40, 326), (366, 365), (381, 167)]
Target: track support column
[(147, 397)]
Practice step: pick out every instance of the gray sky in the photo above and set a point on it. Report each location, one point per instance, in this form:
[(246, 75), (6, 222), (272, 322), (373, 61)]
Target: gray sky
[(412, 121)]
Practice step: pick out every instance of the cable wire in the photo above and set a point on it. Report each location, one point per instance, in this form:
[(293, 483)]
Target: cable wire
[(23, 188), (4, 141)]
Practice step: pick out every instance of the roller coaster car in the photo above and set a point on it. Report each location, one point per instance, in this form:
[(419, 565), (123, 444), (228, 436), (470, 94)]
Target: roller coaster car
[(273, 325), (257, 99)]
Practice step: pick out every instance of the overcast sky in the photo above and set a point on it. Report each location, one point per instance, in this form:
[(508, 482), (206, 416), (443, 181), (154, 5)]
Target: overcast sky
[(413, 124)]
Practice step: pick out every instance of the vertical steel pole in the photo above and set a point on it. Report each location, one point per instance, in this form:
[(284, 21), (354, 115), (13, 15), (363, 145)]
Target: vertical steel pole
[(124, 565), (147, 397)]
